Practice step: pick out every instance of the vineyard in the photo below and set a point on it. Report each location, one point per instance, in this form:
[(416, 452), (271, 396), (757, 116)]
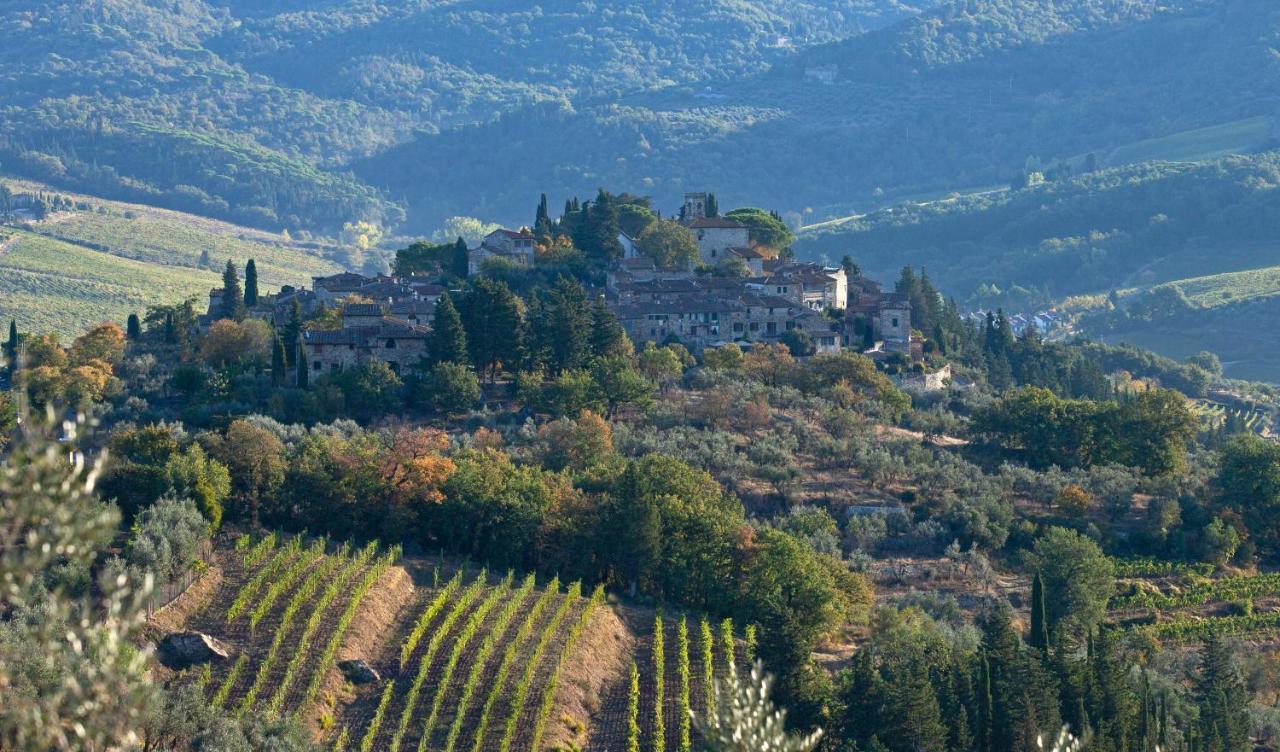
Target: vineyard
[(1181, 603), (1215, 415), (469, 660)]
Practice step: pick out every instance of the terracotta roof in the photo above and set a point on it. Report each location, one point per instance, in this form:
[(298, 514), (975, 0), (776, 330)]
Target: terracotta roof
[(748, 253)]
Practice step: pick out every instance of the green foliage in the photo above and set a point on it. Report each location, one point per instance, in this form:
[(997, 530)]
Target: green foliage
[(669, 244), (1150, 430), (633, 710), (447, 342), (249, 591), (746, 719), (682, 668), (1249, 479), (478, 663), (286, 581), (354, 599), (570, 643), (452, 388), (659, 685), (229, 683), (1077, 578), (767, 228)]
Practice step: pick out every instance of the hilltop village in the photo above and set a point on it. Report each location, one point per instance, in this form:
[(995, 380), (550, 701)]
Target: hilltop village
[(735, 291)]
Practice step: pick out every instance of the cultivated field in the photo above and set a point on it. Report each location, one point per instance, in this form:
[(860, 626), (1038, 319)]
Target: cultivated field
[(76, 268), (1182, 603), (470, 660)]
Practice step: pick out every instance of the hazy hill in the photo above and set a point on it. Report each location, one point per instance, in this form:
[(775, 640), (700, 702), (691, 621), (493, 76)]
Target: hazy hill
[(250, 111), (970, 94)]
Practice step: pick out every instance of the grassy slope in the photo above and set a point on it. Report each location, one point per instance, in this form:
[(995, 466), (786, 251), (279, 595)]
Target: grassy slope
[(47, 285), (76, 269)]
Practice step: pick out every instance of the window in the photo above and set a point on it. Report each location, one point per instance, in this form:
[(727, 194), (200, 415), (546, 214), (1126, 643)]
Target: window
[(755, 326), (316, 366), (895, 322), (333, 367), (737, 326), (772, 328), (391, 344)]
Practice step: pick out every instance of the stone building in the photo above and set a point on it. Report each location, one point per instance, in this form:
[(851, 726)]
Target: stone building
[(512, 246), (367, 334)]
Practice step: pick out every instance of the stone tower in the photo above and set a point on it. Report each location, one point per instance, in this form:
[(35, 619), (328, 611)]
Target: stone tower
[(695, 206)]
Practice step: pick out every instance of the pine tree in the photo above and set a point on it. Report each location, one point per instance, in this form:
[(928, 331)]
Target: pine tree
[(278, 364), (632, 517), (1039, 621), (292, 331), (1223, 700), (232, 295), (304, 368), (915, 718), (569, 320), (447, 342), (491, 317), (133, 327), (606, 334), (250, 284)]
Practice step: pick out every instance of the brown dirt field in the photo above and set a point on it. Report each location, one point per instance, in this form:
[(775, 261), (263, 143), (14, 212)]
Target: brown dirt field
[(600, 662), (367, 637)]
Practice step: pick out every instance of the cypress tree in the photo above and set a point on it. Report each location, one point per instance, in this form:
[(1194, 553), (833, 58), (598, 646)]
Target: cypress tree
[(304, 372), (133, 327), (1039, 622), (11, 346), (204, 261), (232, 295), (292, 331), (1223, 700), (170, 330), (278, 364), (713, 206), (458, 258), (250, 284), (447, 342)]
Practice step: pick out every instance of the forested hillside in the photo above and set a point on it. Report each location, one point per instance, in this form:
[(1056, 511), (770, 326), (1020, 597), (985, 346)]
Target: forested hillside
[(972, 94), (260, 112), (251, 111), (1112, 229)]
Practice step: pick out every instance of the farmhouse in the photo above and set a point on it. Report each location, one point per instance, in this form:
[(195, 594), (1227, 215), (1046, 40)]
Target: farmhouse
[(368, 333)]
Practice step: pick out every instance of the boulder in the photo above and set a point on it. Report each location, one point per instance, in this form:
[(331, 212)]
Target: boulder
[(189, 648), (358, 671)]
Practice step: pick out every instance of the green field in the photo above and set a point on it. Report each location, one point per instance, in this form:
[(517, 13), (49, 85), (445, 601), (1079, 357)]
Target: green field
[(50, 286), (75, 269), (1215, 290), (170, 239), (1215, 141)]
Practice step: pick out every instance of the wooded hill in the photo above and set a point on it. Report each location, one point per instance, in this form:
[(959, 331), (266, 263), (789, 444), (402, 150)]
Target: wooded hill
[(256, 112)]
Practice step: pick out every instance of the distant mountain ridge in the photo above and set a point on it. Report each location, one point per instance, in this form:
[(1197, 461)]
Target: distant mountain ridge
[(305, 115)]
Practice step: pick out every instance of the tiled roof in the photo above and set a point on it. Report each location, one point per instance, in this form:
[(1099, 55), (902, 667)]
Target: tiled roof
[(362, 309)]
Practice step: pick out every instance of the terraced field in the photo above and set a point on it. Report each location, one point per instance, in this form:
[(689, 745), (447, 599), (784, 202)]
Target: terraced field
[(469, 660), (1185, 603)]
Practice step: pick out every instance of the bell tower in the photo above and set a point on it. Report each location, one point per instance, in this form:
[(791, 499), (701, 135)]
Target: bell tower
[(695, 206)]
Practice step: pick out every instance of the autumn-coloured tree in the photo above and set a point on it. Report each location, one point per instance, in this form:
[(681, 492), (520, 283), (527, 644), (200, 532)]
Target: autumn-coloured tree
[(243, 342), (414, 465), (769, 363)]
